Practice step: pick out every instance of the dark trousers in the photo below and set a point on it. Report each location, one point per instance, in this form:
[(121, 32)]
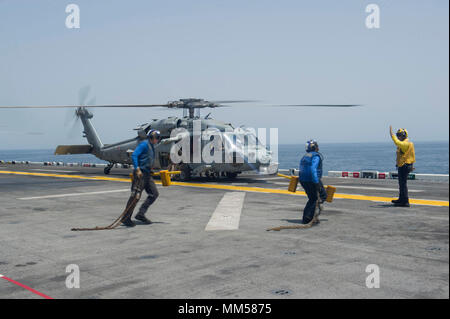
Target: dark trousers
[(139, 184), (322, 192), (403, 173), (313, 195)]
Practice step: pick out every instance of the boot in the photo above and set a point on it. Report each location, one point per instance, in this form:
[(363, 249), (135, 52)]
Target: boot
[(402, 204), (142, 218), (396, 201), (128, 222)]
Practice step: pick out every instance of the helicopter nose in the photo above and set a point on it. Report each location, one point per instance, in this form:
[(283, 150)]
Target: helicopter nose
[(265, 159), (257, 157)]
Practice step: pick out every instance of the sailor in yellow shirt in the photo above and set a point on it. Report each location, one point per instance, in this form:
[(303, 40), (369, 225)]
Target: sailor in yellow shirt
[(405, 159)]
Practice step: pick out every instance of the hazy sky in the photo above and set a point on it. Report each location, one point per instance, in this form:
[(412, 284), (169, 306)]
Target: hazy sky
[(276, 51)]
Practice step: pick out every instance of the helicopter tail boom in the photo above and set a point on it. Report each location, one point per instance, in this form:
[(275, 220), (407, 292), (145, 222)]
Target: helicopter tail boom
[(89, 131)]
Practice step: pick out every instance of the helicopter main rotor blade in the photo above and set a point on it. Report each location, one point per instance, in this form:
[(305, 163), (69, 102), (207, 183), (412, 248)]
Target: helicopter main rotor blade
[(234, 101), (218, 104), (320, 105), (75, 106), (132, 105)]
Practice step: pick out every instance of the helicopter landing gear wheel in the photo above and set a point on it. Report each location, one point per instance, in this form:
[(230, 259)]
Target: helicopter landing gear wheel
[(185, 174), (231, 175), (107, 169)]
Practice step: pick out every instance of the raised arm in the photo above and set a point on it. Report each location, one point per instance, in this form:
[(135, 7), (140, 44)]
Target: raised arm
[(403, 145)]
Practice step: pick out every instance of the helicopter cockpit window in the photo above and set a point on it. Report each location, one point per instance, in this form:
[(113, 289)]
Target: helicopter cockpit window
[(251, 140), (234, 141)]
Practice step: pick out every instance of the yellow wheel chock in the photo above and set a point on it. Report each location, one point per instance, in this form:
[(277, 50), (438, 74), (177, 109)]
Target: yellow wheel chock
[(330, 193), (165, 176), (293, 183)]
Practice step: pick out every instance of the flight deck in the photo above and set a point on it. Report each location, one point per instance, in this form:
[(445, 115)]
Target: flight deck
[(209, 238)]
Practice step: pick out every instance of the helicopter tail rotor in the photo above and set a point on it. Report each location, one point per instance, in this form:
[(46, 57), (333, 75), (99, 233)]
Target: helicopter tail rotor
[(83, 94)]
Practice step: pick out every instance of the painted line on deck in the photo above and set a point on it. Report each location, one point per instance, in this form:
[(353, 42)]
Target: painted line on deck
[(52, 170), (267, 178), (93, 178), (362, 187), (379, 188), (227, 213), (25, 287), (75, 194), (426, 202)]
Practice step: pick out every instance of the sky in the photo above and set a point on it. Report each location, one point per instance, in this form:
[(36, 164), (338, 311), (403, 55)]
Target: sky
[(278, 52)]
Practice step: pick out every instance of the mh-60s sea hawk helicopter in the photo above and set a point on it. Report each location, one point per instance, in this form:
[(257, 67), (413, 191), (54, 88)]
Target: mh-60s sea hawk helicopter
[(174, 130), (236, 151)]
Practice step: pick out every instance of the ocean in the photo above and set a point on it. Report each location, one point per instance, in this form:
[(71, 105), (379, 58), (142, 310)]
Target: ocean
[(431, 157)]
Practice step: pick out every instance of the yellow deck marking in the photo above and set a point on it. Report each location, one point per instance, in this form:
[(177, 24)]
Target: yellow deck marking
[(95, 178), (427, 202), (286, 192)]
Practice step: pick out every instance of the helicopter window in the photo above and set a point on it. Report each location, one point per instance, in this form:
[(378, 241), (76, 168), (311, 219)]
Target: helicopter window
[(233, 141), (251, 139), (228, 140)]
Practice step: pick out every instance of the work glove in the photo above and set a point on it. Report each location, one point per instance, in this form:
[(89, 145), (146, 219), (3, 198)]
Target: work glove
[(139, 172)]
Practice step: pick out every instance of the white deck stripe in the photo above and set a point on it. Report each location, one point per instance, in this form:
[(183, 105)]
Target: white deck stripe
[(75, 194), (264, 178), (227, 213)]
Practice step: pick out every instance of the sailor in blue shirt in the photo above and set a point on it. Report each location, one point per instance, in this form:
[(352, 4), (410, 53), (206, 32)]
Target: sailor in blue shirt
[(143, 160), (310, 173)]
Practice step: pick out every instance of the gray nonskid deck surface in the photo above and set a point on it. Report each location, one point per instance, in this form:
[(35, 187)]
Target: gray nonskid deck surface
[(176, 258)]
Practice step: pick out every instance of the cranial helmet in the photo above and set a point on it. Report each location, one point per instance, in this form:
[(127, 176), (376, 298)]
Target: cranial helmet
[(311, 146), (154, 134), (402, 133)]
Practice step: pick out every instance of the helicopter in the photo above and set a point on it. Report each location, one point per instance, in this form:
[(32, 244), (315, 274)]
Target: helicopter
[(176, 129), (236, 150)]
